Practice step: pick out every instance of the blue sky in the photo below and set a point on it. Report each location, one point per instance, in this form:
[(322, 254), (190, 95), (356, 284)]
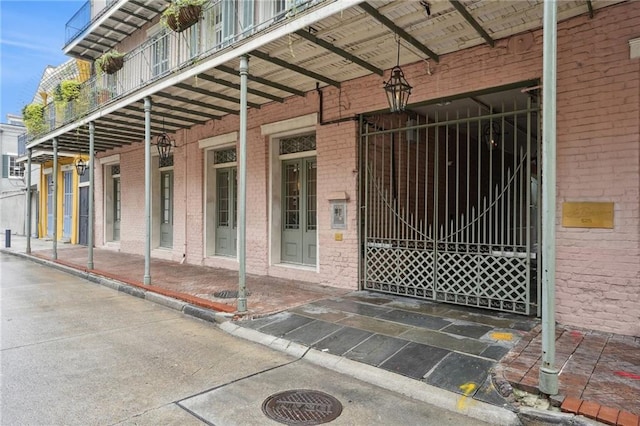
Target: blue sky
[(31, 37)]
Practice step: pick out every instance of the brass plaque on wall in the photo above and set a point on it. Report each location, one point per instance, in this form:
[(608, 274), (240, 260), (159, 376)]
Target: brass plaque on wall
[(587, 215)]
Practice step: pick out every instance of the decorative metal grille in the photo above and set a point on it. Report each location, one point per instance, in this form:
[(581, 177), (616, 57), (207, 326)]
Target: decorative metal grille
[(225, 156), (448, 217), (297, 144), (166, 162), (115, 170)]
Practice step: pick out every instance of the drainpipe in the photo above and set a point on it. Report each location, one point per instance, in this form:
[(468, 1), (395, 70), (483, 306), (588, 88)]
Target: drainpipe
[(147, 190), (29, 202), (242, 187), (548, 372), (54, 199), (92, 159)]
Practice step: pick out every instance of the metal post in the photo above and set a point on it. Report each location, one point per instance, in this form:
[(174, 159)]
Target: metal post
[(147, 190), (548, 372), (242, 187), (54, 200), (28, 171), (92, 159)]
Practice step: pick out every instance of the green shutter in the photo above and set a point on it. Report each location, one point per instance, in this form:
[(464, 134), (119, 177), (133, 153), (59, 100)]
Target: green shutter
[(5, 166)]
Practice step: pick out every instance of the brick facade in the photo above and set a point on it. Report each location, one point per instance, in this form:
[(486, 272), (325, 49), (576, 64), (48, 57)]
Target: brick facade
[(598, 159)]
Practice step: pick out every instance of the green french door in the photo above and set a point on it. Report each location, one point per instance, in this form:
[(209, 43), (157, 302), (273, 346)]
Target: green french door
[(166, 209), (116, 208), (226, 211), (299, 222)]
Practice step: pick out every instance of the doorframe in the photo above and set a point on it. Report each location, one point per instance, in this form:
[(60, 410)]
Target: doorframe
[(210, 145), (107, 194)]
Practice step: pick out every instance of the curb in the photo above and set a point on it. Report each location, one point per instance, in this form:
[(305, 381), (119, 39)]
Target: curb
[(411, 388)]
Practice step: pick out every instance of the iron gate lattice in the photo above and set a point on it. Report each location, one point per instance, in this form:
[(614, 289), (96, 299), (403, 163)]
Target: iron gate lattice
[(449, 205)]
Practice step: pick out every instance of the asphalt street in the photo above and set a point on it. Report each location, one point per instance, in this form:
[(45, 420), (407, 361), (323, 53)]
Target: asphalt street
[(75, 352)]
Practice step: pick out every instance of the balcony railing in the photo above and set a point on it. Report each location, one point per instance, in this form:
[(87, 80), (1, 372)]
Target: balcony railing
[(161, 55), (83, 18)]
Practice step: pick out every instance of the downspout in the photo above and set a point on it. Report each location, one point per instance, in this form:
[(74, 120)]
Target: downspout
[(548, 372), (147, 190), (92, 162), (29, 202), (321, 108), (242, 187), (55, 199)]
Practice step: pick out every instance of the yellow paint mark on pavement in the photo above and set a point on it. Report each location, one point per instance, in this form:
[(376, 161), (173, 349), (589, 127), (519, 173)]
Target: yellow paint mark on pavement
[(466, 389), (501, 336)]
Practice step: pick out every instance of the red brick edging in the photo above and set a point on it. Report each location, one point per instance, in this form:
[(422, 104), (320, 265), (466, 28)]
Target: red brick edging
[(593, 410)]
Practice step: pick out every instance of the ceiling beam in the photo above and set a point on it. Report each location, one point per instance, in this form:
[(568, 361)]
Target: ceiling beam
[(373, 12), (261, 80), (88, 42), (472, 21), (144, 6), (237, 87), (173, 127), (127, 124), (115, 30), (590, 7), (197, 103), (131, 24), (338, 51), (183, 110), (155, 113), (215, 95), (296, 68)]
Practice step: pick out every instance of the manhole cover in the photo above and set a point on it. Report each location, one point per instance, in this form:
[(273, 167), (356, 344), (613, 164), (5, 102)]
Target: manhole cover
[(227, 294), (302, 407)]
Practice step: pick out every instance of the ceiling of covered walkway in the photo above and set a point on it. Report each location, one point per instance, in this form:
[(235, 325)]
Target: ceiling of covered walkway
[(323, 50)]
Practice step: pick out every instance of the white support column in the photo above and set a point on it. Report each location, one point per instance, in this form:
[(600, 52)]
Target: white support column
[(242, 187), (548, 373), (28, 171), (147, 190), (92, 161), (54, 199)]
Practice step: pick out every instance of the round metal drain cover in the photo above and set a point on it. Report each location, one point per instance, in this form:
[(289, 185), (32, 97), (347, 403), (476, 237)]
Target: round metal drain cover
[(302, 407)]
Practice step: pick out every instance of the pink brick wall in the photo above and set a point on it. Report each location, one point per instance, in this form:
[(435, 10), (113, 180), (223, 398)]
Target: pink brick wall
[(598, 148)]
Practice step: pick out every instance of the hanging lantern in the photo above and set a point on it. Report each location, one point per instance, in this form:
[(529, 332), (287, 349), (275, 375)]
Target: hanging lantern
[(81, 166), (397, 88), (164, 144)]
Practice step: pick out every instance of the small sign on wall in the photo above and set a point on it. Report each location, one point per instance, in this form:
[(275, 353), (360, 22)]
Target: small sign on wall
[(338, 214), (587, 215)]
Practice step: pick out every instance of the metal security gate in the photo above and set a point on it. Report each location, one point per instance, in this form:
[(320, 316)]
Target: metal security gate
[(449, 195)]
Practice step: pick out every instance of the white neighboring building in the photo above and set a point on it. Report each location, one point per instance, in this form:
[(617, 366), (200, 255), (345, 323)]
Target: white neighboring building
[(13, 183)]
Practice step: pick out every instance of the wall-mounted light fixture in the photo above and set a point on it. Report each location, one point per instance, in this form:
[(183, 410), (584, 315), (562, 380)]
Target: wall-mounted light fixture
[(397, 88)]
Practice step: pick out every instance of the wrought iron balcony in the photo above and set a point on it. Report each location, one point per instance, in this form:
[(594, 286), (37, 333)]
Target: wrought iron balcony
[(165, 53)]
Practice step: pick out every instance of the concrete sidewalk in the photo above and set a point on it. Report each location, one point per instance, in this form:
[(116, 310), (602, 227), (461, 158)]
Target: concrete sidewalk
[(477, 355)]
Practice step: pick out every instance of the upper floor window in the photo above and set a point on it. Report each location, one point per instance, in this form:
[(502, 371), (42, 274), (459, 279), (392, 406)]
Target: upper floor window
[(160, 52), (10, 168)]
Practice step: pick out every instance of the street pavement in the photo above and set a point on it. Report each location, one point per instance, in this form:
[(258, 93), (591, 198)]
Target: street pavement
[(74, 352)]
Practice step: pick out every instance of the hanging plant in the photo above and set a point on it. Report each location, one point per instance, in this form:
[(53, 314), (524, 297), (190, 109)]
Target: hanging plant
[(67, 91), (33, 118), (182, 14), (110, 62)]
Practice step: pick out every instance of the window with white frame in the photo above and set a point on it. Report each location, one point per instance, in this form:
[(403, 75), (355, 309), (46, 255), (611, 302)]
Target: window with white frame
[(10, 168)]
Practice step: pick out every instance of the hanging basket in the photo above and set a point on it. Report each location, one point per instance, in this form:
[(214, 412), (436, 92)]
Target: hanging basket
[(184, 18), (112, 64)]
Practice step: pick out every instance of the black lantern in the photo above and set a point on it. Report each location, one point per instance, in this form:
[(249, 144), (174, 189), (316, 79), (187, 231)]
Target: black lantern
[(164, 144), (397, 88), (81, 166)]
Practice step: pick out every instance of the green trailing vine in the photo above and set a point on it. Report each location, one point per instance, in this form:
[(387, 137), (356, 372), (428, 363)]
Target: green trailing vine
[(67, 91), (33, 118)]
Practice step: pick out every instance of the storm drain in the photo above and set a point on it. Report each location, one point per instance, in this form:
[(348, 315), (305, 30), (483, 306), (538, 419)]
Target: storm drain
[(228, 294), (302, 407)]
